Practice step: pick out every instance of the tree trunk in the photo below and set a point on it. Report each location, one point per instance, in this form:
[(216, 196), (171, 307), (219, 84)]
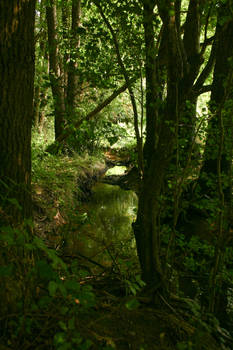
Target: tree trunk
[(16, 108), (36, 106), (54, 72), (215, 179), (72, 87), (161, 135), (220, 109), (170, 82), (65, 34)]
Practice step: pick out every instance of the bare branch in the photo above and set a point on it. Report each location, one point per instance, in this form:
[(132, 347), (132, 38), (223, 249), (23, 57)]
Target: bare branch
[(205, 88), (206, 70), (207, 41)]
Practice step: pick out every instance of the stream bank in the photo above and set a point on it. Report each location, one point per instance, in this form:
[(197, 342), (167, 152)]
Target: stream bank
[(69, 193), (118, 320)]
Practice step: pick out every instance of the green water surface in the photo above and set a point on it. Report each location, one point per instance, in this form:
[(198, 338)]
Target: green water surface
[(106, 231)]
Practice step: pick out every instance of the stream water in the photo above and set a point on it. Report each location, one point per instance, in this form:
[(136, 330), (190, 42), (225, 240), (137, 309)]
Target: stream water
[(105, 231)]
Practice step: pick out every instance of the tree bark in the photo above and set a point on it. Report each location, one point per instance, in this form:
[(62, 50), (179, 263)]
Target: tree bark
[(65, 16), (170, 82), (161, 134), (221, 93), (54, 71), (16, 108), (72, 84)]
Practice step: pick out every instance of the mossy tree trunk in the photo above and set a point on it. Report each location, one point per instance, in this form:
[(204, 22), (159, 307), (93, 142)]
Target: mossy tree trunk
[(16, 107)]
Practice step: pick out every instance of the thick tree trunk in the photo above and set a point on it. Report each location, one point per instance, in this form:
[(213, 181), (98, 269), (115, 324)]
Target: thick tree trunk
[(36, 106), (16, 107), (170, 82), (54, 71), (161, 136)]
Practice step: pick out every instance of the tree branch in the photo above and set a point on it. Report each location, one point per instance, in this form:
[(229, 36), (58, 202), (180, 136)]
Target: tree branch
[(55, 146), (203, 89), (207, 41), (206, 70)]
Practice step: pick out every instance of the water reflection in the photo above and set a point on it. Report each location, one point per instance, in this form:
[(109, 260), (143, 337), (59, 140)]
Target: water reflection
[(108, 227)]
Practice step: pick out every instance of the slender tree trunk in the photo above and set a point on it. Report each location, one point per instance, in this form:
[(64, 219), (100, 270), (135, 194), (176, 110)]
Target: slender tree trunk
[(65, 33), (16, 108), (191, 47), (54, 71), (216, 174), (72, 87), (221, 94)]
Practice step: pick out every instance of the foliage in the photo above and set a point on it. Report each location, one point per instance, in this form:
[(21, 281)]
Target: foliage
[(112, 128), (39, 285)]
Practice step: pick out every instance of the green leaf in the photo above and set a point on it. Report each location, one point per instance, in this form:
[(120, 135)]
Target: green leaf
[(7, 270), (62, 325), (39, 243), (132, 304), (44, 302), (45, 271), (56, 260), (52, 287), (59, 338), (140, 281), (7, 238), (29, 246), (87, 344), (62, 289), (72, 285), (64, 310), (71, 323), (14, 202), (65, 346)]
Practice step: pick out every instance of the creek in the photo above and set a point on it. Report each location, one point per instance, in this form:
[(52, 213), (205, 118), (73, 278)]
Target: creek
[(105, 229)]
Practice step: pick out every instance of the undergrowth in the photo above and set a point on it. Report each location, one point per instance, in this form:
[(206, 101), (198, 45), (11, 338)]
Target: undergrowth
[(53, 300)]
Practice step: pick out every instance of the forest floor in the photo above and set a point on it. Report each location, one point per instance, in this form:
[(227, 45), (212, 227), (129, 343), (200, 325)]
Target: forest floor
[(119, 319)]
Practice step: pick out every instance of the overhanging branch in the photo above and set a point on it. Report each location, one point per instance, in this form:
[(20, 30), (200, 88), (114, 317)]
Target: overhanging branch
[(67, 132)]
